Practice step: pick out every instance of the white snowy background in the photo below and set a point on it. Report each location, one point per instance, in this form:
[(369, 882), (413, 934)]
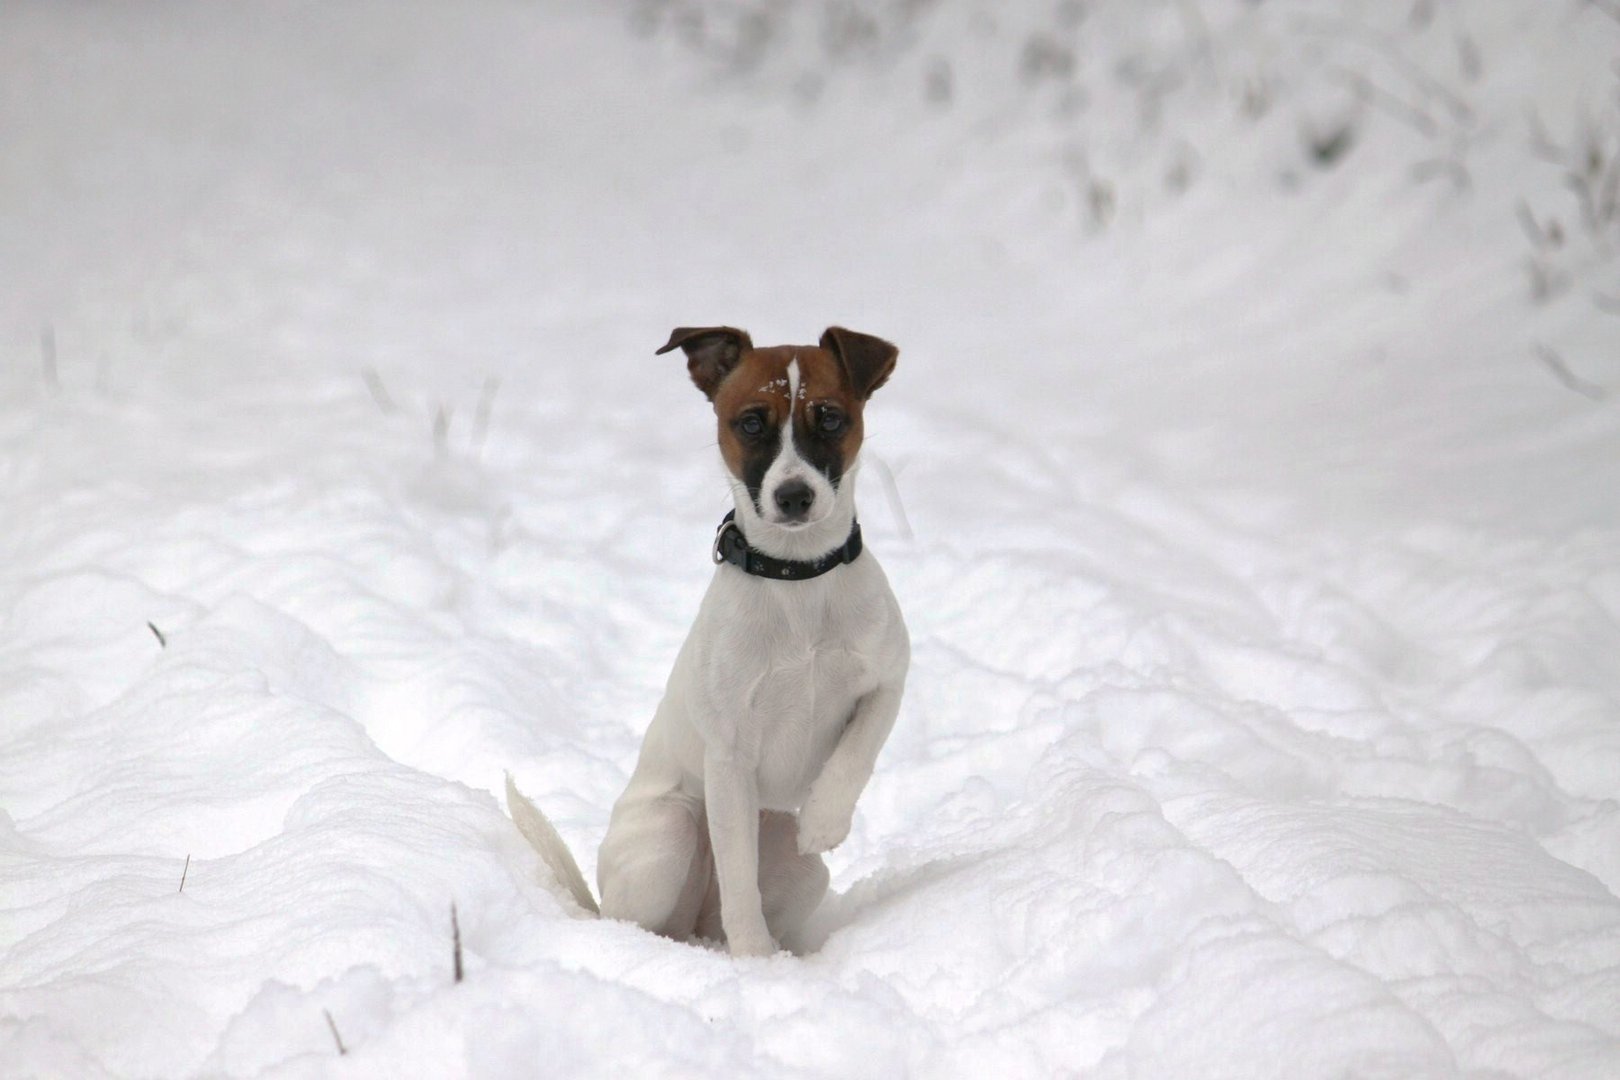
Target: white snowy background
[(1250, 480)]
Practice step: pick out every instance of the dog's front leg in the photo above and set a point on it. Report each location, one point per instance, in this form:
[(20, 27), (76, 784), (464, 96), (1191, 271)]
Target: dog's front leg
[(829, 809), (731, 795)]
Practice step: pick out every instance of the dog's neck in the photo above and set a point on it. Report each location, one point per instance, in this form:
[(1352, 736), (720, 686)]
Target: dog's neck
[(804, 543)]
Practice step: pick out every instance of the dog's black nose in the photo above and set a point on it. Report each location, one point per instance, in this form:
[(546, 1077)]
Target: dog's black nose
[(794, 499)]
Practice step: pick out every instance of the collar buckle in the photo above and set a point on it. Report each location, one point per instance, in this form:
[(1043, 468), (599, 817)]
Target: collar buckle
[(717, 551)]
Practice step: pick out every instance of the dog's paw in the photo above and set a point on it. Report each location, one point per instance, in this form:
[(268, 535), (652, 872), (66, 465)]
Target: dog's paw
[(759, 944), (823, 825)]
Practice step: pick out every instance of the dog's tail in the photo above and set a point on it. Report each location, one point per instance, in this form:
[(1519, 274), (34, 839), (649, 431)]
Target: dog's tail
[(538, 831)]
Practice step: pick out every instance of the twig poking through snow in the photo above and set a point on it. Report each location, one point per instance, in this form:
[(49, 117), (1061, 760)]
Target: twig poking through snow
[(1469, 60), (1375, 95), (1561, 372), (1546, 280), (163, 642), (892, 490), (1608, 7), (1328, 148), (184, 870), (1427, 86), (379, 392), (1198, 30), (1456, 171), (441, 433), (47, 356), (455, 939), (486, 405), (1541, 143), (1542, 239), (342, 1050)]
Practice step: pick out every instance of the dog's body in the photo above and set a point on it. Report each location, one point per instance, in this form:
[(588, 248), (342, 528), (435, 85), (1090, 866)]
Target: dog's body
[(784, 691)]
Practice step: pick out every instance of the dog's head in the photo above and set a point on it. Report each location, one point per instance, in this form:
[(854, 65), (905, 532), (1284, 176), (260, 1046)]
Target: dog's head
[(790, 420)]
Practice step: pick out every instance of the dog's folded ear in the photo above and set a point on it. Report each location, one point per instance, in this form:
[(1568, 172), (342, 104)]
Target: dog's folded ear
[(867, 360), (711, 353)]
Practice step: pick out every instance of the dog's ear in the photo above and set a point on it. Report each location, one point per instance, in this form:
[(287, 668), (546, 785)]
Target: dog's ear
[(867, 360), (711, 353)]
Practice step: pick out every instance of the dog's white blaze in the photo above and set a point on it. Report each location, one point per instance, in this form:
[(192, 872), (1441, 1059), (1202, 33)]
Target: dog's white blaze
[(788, 463), (793, 400)]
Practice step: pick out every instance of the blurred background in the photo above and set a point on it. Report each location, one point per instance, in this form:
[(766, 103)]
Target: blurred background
[(1242, 236)]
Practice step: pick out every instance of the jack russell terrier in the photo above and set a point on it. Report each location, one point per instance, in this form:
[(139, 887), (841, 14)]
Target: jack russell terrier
[(790, 680)]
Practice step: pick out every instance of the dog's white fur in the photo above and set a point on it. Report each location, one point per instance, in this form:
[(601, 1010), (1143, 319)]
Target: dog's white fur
[(768, 731)]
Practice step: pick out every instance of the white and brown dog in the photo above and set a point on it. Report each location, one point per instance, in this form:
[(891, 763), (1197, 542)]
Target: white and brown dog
[(790, 680)]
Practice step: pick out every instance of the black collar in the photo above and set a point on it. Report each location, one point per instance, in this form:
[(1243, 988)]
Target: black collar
[(730, 546)]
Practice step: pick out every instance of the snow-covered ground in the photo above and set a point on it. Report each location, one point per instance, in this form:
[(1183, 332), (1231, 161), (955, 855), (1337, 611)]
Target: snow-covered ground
[(1255, 508)]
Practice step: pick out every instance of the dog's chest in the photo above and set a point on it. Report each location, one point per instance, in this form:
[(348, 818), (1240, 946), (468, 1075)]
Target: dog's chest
[(793, 675), (802, 705)]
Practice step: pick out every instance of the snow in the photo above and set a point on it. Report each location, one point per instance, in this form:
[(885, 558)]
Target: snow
[(1254, 519)]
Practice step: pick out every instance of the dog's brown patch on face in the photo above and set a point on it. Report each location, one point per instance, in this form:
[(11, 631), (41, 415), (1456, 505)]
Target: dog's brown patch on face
[(753, 409)]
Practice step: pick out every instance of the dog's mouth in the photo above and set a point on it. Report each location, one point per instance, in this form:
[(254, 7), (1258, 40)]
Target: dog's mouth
[(788, 524)]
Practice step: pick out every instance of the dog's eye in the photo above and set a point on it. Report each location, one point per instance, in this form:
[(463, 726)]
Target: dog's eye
[(751, 425), (830, 421)]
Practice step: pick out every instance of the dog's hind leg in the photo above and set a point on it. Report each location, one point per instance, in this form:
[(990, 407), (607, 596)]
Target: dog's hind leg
[(654, 865), (790, 884)]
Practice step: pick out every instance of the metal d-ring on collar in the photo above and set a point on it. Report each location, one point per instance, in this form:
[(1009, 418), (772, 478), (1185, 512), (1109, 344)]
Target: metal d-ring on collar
[(730, 546)]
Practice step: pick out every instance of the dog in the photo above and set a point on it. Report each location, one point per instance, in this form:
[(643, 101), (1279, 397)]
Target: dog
[(790, 680)]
